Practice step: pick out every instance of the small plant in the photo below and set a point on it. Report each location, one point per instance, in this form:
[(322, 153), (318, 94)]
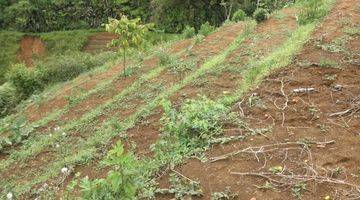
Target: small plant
[(182, 187), (260, 14), (330, 77), (328, 63), (120, 183), (225, 195), (130, 33), (276, 169), (239, 15), (353, 31), (199, 38), (206, 29), (188, 32), (196, 122), (165, 58), (298, 189)]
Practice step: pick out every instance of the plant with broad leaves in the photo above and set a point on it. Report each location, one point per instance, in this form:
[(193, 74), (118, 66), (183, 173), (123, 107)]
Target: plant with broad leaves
[(131, 34), (196, 122), (120, 183)]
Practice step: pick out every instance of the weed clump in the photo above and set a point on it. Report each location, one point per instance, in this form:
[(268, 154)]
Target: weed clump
[(239, 15), (206, 29), (189, 32), (196, 122), (311, 11)]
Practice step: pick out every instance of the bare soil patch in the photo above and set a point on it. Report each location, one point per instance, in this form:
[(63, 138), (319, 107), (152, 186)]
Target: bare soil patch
[(30, 47)]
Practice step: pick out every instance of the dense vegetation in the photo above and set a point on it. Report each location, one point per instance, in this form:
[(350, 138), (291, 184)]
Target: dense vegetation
[(169, 15)]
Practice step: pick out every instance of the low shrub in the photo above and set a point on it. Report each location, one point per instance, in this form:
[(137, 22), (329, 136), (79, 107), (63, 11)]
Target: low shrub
[(206, 29), (239, 15), (189, 32), (260, 14), (25, 80), (196, 122)]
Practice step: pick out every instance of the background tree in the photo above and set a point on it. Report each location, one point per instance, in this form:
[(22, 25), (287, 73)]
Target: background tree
[(131, 34)]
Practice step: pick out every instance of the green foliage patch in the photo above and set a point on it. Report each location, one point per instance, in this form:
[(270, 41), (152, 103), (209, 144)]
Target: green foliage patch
[(239, 15), (9, 46), (196, 122), (121, 182), (60, 42), (206, 29), (260, 14), (312, 10)]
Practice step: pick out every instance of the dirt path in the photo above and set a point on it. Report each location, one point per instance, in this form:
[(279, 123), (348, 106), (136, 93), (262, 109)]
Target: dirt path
[(306, 117)]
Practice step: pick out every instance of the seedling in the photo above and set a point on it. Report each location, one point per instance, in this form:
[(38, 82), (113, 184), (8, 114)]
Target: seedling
[(131, 34)]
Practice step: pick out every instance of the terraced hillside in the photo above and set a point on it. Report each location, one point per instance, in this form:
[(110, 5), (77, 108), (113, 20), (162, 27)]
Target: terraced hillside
[(285, 99)]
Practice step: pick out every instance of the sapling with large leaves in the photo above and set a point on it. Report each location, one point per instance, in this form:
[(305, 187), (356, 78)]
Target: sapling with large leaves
[(131, 34)]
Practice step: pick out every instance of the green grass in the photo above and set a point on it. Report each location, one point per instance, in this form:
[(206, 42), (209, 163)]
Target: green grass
[(9, 46), (353, 31), (59, 42)]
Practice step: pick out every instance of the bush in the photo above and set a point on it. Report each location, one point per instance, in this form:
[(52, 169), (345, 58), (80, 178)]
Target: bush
[(239, 15), (206, 29), (311, 11), (120, 182), (24, 79), (196, 122), (9, 98), (260, 14), (188, 32)]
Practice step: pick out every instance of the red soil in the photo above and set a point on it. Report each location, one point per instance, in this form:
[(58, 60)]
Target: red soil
[(30, 47), (307, 116)]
